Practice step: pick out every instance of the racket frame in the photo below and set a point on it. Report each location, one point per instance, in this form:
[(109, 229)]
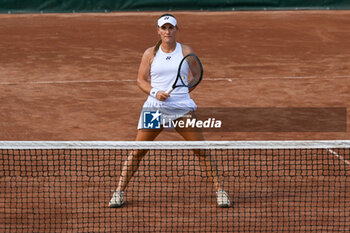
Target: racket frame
[(178, 76)]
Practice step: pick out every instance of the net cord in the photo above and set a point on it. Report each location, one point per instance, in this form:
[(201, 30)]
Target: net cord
[(309, 144)]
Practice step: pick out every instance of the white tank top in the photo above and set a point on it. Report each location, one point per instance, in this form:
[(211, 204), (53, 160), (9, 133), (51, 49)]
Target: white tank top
[(164, 70)]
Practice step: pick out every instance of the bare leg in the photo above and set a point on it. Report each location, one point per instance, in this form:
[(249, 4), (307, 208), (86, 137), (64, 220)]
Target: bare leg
[(134, 158), (204, 156), (207, 164)]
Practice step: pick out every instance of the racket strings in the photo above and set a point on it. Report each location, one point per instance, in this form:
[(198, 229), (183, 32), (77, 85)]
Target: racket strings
[(194, 71)]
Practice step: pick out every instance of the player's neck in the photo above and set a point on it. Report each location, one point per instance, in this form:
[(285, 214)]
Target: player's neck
[(168, 47)]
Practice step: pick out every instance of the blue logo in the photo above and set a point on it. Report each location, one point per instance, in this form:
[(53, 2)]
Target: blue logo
[(168, 58), (151, 119)]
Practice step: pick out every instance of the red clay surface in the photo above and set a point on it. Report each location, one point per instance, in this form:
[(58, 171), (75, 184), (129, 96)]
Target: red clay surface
[(272, 191), (72, 76)]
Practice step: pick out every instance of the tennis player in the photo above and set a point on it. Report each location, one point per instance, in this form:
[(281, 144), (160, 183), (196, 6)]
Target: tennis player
[(160, 64)]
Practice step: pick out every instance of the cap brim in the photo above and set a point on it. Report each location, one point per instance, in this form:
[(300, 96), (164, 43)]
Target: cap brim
[(167, 19)]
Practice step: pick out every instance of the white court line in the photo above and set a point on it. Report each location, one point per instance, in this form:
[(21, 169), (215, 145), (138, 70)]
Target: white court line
[(67, 82), (278, 77), (134, 80), (339, 156)]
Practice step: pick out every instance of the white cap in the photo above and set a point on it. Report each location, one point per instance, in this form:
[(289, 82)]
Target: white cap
[(166, 19)]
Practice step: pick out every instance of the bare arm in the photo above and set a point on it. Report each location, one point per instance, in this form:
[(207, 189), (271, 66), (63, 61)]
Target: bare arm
[(144, 70), (143, 76), (185, 51)]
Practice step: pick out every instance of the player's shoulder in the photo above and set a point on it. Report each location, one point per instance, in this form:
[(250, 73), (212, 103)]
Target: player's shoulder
[(148, 55), (149, 52), (186, 49)]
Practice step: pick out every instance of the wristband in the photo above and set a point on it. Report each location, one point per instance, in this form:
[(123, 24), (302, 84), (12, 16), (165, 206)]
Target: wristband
[(153, 92)]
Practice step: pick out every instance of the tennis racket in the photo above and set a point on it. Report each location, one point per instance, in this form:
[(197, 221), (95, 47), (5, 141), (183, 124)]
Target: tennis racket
[(189, 73)]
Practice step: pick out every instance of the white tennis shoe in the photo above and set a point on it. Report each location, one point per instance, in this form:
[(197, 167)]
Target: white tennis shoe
[(223, 199), (117, 199)]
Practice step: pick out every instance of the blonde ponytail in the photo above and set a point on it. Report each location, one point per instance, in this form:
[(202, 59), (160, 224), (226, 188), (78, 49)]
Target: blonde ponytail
[(156, 48)]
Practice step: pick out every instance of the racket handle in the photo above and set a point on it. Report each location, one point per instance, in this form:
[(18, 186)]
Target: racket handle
[(169, 90)]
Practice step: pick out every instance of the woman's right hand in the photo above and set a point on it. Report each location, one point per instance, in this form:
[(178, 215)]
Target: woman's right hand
[(162, 95)]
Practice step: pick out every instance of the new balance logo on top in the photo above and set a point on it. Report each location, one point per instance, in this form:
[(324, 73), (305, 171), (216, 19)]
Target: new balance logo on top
[(168, 58), (166, 18)]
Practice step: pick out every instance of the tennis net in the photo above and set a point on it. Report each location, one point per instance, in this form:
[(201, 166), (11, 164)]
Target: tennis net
[(274, 186)]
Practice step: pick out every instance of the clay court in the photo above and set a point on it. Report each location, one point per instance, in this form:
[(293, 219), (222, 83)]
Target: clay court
[(72, 77)]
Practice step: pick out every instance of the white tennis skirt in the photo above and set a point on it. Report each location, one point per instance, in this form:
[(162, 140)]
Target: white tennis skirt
[(176, 106)]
